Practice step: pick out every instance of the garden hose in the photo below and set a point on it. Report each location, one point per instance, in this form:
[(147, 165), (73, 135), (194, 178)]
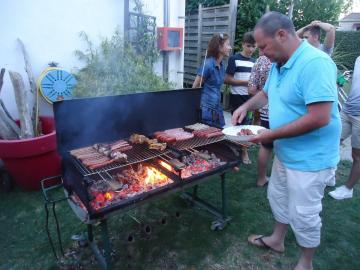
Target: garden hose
[(55, 84)]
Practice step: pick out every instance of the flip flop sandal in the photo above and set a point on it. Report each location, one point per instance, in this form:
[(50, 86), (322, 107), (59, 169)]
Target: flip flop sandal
[(265, 184), (246, 161), (257, 240)]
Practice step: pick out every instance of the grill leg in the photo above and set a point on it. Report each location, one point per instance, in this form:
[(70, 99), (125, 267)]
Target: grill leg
[(195, 192), (104, 261), (221, 214), (106, 241), (223, 196), (57, 228), (47, 230)]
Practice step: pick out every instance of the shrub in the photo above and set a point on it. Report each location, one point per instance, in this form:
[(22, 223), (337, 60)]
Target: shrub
[(115, 68), (347, 49)]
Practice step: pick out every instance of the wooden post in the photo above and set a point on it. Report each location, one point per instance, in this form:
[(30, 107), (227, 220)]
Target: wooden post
[(8, 128), (33, 99), (199, 41), (26, 126), (232, 20), (2, 73)]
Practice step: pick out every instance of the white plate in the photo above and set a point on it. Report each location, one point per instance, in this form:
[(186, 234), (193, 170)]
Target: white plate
[(232, 132)]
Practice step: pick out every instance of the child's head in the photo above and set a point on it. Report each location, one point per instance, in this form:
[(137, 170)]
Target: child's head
[(248, 44)]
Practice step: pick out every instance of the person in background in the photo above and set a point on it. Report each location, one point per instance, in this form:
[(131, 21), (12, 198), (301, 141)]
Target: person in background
[(237, 75), (302, 95), (211, 75), (350, 119), (259, 74), (312, 33)]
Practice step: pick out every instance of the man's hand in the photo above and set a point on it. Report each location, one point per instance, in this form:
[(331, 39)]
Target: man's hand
[(264, 136), (315, 23), (238, 115)]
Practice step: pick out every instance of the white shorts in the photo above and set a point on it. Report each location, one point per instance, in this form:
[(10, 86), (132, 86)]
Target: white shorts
[(351, 126), (295, 199)]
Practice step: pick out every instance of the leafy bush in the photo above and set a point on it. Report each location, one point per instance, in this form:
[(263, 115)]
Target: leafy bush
[(115, 68), (346, 49)]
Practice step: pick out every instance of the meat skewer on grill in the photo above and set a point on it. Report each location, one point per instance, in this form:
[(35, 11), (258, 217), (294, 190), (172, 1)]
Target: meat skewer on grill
[(152, 143)]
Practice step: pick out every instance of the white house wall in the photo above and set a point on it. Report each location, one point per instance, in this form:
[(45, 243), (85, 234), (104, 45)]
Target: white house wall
[(176, 19), (50, 31), (347, 26)]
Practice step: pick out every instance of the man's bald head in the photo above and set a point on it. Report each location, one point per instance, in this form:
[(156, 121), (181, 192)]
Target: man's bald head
[(271, 22)]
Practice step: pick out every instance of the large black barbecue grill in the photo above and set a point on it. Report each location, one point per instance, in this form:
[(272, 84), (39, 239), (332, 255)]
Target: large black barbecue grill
[(84, 122)]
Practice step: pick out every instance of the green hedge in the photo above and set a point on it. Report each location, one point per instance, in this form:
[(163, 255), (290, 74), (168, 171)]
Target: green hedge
[(347, 48)]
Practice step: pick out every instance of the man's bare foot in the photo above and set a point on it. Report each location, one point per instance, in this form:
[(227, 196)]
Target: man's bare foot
[(262, 182), (266, 242), (245, 157), (300, 267)]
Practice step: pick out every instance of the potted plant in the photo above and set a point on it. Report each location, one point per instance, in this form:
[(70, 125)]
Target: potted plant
[(27, 145)]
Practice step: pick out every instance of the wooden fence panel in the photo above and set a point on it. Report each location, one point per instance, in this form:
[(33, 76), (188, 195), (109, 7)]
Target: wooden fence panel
[(199, 28)]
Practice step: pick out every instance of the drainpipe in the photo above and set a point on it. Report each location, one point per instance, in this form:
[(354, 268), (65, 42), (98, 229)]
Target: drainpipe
[(166, 54)]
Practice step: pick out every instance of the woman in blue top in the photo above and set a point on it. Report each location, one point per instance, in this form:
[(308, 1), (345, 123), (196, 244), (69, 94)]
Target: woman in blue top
[(211, 74)]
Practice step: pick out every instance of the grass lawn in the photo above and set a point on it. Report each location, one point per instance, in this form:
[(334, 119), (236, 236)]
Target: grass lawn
[(184, 242)]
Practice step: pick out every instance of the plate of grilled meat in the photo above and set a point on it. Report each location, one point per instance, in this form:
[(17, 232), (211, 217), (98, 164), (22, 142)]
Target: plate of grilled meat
[(242, 133)]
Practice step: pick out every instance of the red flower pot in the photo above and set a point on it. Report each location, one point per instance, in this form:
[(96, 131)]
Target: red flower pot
[(30, 160)]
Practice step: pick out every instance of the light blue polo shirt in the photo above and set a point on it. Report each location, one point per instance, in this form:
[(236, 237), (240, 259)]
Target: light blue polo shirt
[(309, 76)]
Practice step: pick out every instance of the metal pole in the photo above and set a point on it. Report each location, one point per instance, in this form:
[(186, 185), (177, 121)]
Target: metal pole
[(126, 20), (105, 237), (291, 9), (195, 190), (166, 54), (223, 195), (232, 19)]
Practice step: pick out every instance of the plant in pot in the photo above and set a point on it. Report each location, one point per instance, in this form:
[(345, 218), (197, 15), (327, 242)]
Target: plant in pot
[(27, 145)]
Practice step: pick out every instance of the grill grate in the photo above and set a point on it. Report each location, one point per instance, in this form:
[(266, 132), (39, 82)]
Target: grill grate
[(139, 153), (195, 142)]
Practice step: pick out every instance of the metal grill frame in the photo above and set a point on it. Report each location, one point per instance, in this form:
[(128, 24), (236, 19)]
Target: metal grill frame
[(113, 118)]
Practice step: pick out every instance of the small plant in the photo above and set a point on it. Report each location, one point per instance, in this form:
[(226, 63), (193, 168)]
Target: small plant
[(115, 68)]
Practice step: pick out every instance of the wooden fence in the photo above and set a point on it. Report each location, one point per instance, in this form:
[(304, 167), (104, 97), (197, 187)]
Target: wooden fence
[(199, 28)]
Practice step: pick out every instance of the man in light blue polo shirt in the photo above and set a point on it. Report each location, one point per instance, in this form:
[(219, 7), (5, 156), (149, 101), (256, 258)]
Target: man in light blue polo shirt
[(305, 128)]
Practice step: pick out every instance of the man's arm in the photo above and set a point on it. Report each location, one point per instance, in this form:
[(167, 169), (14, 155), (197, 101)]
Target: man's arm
[(300, 32), (229, 79), (330, 33), (318, 116), (256, 102)]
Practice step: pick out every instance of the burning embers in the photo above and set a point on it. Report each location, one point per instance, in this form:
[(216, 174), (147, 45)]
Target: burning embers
[(195, 163), (128, 183)]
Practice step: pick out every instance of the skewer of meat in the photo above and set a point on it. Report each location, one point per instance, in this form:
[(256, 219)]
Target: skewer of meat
[(90, 162), (119, 144), (89, 156), (82, 150), (99, 165)]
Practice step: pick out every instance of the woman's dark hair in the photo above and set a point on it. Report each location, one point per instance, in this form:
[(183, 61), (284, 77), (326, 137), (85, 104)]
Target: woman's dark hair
[(215, 43)]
